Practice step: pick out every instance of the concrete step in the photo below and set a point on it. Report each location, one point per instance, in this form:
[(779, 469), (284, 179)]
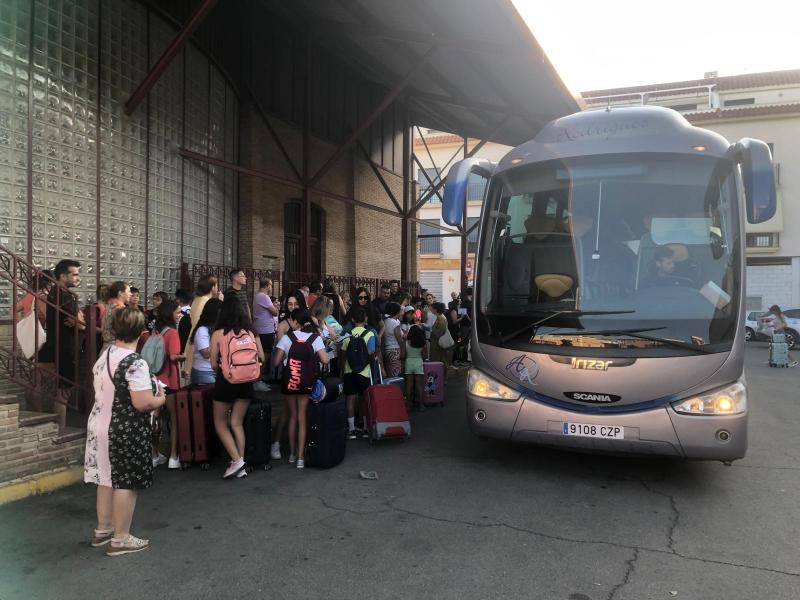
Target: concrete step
[(69, 434), (29, 418)]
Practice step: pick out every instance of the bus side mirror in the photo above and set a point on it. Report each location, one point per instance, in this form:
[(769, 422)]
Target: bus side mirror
[(758, 178), (455, 186)]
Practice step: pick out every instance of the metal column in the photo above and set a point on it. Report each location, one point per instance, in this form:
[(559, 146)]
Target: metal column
[(464, 229), (406, 245)]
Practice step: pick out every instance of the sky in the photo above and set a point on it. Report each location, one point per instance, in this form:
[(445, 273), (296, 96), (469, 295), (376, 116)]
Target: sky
[(614, 43)]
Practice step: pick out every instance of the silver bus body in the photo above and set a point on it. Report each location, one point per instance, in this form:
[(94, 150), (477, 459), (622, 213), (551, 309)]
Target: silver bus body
[(565, 387)]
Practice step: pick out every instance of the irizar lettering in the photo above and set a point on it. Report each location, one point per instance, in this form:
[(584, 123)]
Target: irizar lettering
[(589, 364)]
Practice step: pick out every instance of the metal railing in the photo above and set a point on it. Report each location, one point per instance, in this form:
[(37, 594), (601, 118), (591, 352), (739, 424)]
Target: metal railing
[(72, 385), (284, 282)]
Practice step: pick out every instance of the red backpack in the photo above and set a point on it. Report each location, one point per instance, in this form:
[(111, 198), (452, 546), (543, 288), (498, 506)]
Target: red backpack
[(239, 357), (302, 365)]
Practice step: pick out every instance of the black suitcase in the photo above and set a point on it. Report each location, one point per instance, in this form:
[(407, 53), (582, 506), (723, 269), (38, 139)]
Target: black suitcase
[(333, 388), (327, 433), (258, 432)]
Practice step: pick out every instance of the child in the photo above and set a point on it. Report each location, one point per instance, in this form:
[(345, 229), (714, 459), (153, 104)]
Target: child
[(392, 340), (414, 352), (300, 372), (165, 321), (357, 374)]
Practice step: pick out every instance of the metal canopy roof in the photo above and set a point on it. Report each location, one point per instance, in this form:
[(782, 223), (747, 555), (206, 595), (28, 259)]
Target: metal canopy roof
[(487, 77)]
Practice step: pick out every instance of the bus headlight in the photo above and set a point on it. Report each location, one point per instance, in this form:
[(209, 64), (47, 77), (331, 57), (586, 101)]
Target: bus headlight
[(480, 384), (730, 400)]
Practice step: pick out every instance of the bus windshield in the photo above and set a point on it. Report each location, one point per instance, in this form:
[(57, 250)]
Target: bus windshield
[(576, 252)]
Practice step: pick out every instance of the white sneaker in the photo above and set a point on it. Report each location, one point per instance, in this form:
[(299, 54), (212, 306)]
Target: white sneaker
[(292, 459), (234, 468), (275, 450), (159, 459), (242, 473), (174, 462), (301, 464)]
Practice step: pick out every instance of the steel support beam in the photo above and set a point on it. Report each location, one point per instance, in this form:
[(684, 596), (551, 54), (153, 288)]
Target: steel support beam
[(380, 177), (190, 155), (464, 229), (274, 134), (191, 25), (427, 177), (406, 246), (305, 262), (369, 119)]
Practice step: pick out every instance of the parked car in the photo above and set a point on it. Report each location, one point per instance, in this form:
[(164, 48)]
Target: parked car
[(751, 325), (766, 326)]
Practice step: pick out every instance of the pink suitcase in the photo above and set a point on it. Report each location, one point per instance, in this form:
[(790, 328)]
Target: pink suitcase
[(434, 383)]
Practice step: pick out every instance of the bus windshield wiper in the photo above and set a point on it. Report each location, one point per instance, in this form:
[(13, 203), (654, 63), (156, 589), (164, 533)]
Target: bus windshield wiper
[(554, 312), (636, 333)]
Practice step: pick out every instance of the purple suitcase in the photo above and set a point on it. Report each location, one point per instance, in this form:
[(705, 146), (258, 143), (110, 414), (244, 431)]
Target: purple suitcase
[(434, 383)]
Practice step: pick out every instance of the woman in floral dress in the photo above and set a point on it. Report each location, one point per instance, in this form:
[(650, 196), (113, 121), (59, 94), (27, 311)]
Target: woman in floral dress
[(118, 456)]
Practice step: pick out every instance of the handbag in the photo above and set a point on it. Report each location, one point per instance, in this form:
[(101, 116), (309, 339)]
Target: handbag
[(27, 327), (446, 341)]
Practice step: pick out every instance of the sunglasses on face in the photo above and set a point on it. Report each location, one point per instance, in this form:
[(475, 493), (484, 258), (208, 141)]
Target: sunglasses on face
[(362, 297)]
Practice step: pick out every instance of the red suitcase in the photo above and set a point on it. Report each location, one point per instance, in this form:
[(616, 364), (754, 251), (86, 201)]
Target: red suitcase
[(387, 416), (197, 441), (434, 383)]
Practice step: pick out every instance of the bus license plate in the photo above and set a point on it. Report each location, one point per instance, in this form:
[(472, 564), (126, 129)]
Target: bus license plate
[(614, 432)]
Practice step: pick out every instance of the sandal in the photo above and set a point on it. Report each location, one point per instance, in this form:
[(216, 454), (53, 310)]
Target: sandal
[(102, 537), (126, 545)]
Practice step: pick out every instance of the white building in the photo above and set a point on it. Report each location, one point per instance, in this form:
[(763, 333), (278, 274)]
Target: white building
[(765, 106), (439, 258)]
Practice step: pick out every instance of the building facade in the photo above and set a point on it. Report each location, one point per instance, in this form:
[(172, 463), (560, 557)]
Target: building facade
[(764, 106), (439, 260)]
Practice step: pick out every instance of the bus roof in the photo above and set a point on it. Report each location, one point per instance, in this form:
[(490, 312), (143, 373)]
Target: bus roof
[(616, 131)]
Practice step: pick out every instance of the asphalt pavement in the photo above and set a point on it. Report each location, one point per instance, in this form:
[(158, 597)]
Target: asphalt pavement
[(450, 516)]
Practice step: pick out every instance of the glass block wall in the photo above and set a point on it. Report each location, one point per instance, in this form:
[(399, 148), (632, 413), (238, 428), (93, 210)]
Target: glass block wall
[(66, 69)]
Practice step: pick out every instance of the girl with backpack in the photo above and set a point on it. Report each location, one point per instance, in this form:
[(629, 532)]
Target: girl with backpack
[(291, 301), (164, 342), (200, 339), (330, 329), (414, 351), (301, 350), (236, 356)]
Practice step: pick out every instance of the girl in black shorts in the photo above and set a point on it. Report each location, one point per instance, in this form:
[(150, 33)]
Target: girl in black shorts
[(233, 397), (304, 331)]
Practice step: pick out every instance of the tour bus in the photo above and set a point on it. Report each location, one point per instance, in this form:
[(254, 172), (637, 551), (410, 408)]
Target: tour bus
[(608, 312)]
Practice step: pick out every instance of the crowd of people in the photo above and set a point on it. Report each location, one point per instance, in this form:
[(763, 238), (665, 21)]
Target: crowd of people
[(146, 355)]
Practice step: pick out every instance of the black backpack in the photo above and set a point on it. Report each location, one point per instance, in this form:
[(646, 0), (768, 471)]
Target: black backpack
[(184, 329), (357, 352), (302, 366)]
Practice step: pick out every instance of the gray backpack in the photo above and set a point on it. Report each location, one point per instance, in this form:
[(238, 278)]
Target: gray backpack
[(154, 352)]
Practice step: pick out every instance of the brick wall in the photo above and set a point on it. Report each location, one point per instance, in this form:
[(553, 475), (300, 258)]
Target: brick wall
[(33, 449), (357, 241)]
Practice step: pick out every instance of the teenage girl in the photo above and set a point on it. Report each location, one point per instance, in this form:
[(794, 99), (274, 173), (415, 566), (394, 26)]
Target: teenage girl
[(297, 402), (414, 352), (200, 341), (165, 321), (233, 398), (291, 302)]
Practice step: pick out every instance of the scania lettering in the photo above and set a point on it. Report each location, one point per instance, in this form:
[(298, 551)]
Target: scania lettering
[(611, 258)]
